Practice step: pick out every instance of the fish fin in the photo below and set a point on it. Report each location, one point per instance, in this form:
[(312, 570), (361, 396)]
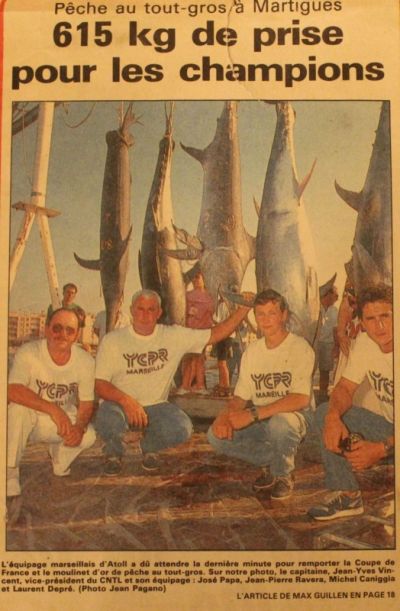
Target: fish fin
[(351, 198), (257, 206), (324, 288), (124, 244), (235, 298), (370, 269), (88, 263), (252, 246), (168, 117), (186, 238), (129, 117), (349, 271), (183, 254), (302, 185), (140, 267), (196, 153), (191, 273)]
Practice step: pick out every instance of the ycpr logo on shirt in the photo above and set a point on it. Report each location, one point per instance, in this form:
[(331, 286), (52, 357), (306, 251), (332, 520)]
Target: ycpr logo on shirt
[(383, 386), (58, 393), (273, 384), (146, 362)]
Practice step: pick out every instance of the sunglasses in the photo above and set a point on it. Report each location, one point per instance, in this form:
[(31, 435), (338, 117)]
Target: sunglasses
[(57, 329)]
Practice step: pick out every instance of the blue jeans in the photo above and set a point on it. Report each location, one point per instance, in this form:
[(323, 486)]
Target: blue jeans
[(168, 426), (338, 472), (273, 441)]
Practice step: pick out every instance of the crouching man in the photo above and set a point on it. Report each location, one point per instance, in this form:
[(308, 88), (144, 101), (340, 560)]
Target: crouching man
[(134, 371), (355, 438), (50, 393), (275, 376)]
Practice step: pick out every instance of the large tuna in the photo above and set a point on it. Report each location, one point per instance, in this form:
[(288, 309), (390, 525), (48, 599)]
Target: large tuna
[(222, 245), (285, 259), (158, 271), (371, 261), (115, 227)]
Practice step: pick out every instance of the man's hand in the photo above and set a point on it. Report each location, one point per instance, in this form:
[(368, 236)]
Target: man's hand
[(364, 454), (334, 431), (239, 419), (249, 297), (61, 420), (134, 412), (74, 437), (221, 426)]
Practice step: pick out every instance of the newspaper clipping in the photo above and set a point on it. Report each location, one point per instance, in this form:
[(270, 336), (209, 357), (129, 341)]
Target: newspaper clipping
[(227, 436)]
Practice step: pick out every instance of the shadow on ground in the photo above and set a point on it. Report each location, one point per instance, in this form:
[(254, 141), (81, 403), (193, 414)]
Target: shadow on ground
[(197, 501)]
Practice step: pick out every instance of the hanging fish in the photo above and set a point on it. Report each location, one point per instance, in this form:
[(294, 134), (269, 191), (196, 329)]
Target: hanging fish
[(158, 271), (222, 245), (115, 225), (285, 257), (371, 261)]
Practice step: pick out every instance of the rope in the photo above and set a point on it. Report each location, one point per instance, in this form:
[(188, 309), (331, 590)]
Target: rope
[(82, 121)]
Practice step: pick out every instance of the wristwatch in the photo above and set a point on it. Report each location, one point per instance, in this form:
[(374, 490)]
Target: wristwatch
[(254, 413), (389, 449)]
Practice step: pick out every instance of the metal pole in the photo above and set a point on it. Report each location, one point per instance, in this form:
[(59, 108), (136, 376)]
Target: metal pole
[(37, 205), (45, 125), (20, 243)]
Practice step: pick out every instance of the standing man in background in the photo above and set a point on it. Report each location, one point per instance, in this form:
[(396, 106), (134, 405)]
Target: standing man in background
[(327, 341)]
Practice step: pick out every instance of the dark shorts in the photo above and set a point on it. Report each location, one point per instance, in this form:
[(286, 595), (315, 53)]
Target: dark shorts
[(223, 349)]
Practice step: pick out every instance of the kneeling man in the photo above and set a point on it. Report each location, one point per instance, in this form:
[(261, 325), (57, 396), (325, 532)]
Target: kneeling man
[(275, 377), (371, 357), (50, 393), (134, 371)]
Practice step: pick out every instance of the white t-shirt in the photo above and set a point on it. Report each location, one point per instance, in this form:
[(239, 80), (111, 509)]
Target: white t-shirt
[(328, 323), (64, 385), (268, 374), (100, 322), (143, 366), (367, 359)]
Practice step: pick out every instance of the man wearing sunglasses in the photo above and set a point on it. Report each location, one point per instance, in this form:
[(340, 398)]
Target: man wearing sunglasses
[(50, 394)]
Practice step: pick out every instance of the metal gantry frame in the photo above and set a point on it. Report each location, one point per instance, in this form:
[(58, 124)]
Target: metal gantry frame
[(36, 207)]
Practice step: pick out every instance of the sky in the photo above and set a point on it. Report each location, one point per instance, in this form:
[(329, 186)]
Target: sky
[(338, 134)]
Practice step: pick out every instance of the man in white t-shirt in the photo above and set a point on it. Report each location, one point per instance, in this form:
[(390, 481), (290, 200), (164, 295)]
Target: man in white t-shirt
[(371, 358), (275, 376), (134, 370), (50, 393)]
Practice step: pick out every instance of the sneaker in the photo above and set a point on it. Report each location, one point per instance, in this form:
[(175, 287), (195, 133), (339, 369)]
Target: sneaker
[(181, 391), (283, 487), (58, 469), (264, 481), (341, 505), (200, 391), (151, 462), (13, 487), (113, 466)]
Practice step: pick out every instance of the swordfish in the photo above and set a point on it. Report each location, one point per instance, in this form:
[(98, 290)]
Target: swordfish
[(157, 270), (115, 227), (222, 244), (285, 258), (371, 261)]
